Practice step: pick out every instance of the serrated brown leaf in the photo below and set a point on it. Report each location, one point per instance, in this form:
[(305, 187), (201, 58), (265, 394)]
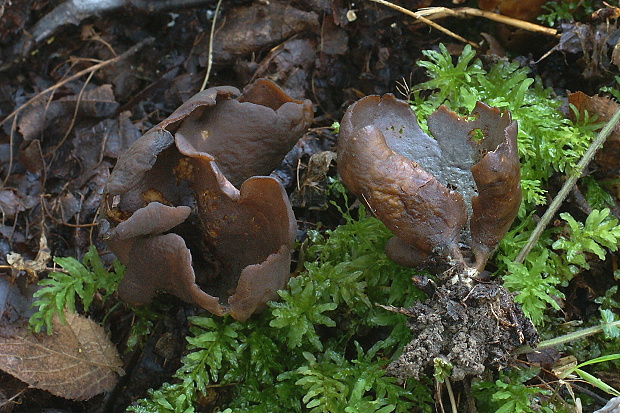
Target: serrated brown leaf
[(77, 362), (97, 103)]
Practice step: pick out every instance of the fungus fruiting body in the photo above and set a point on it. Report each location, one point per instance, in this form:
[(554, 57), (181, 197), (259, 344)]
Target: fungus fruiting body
[(188, 208), (451, 196), (448, 200)]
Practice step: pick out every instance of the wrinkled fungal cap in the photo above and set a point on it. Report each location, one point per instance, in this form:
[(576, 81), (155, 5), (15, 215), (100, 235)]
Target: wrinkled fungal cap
[(191, 181), (435, 195)]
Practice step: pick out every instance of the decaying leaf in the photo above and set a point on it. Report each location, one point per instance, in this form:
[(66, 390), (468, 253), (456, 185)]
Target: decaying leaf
[(10, 203), (13, 304), (594, 41), (266, 25), (462, 187), (31, 267), (109, 138), (289, 64), (312, 191), (603, 108), (186, 205), (77, 362)]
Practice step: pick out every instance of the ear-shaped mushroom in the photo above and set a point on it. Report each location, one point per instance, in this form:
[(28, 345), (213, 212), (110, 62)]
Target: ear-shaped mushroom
[(425, 190), (491, 139), (151, 257), (176, 187)]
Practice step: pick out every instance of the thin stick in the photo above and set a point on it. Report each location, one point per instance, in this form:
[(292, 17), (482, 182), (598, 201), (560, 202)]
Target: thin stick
[(210, 59), (75, 113), (9, 267), (437, 12), (424, 20), (568, 185)]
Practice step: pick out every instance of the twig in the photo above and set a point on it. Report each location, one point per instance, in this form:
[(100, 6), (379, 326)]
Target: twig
[(438, 12), (75, 113), (424, 20), (61, 222), (48, 269), (11, 401), (210, 57), (568, 185)]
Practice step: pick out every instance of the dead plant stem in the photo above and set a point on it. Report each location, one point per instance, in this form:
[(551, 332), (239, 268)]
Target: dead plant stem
[(426, 21), (568, 185), (451, 395), (438, 12), (566, 338), (210, 54)]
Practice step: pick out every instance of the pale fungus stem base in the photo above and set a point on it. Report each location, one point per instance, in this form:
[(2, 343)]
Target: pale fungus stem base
[(464, 277)]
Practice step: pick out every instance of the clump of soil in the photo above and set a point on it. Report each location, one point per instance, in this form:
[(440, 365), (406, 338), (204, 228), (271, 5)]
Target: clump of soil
[(472, 324)]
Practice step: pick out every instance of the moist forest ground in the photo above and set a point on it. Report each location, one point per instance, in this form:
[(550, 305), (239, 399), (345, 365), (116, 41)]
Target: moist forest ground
[(132, 65)]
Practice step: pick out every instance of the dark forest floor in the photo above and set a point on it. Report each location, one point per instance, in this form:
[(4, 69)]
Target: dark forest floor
[(133, 65)]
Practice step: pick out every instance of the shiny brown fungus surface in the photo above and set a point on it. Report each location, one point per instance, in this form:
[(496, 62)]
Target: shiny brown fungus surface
[(188, 211), (447, 199)]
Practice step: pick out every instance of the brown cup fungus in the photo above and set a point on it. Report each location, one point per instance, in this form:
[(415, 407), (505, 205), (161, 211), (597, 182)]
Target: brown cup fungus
[(446, 200), (187, 209)]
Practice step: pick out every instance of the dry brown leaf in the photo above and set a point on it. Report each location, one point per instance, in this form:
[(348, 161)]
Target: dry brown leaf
[(77, 362), (526, 10), (10, 203), (265, 25), (97, 103), (603, 108), (594, 42), (31, 267)]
